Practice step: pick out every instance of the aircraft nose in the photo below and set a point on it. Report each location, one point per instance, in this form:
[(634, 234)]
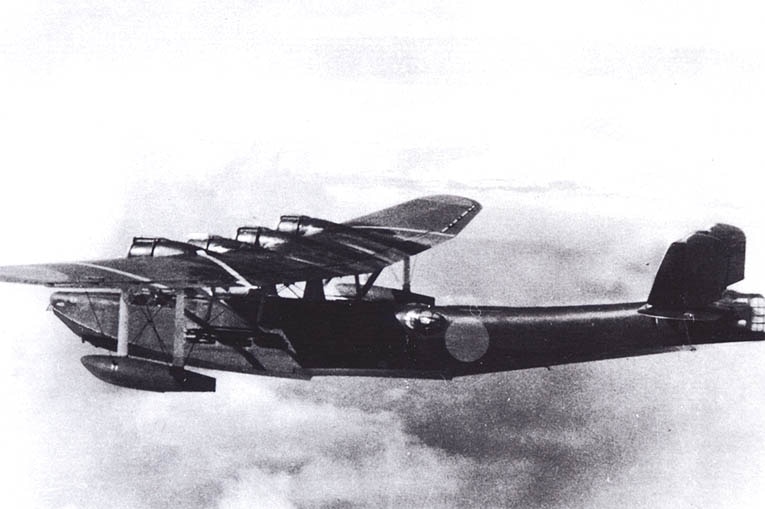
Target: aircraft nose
[(82, 312)]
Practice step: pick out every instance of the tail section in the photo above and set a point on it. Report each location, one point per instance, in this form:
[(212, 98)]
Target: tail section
[(696, 271), (693, 278)]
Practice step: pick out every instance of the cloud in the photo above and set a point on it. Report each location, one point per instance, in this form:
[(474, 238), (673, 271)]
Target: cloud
[(246, 442), (528, 436)]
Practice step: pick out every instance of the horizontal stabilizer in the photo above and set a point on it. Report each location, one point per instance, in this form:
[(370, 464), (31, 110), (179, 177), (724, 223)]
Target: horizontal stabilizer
[(696, 271)]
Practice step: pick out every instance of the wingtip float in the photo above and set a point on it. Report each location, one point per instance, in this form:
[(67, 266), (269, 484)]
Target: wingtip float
[(223, 304)]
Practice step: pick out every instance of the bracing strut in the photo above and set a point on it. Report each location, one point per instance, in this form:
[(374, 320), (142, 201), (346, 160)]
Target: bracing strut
[(123, 325), (407, 286), (179, 330)]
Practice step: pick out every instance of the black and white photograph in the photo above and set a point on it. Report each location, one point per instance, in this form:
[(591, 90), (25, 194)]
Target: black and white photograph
[(386, 254)]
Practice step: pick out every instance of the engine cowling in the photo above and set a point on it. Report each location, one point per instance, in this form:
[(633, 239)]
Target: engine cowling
[(288, 228), (260, 236), (217, 244), (301, 225), (159, 246)]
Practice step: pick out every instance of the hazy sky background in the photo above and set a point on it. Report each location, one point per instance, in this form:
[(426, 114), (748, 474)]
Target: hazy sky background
[(593, 134)]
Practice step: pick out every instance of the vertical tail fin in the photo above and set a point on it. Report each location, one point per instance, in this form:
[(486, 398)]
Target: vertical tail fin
[(696, 271)]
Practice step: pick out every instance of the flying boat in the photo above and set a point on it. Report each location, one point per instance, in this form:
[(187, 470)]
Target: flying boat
[(219, 303)]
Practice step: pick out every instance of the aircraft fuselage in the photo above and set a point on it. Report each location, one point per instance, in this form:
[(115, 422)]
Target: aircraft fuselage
[(299, 338)]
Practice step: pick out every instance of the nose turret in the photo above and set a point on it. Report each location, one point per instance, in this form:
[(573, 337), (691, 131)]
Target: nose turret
[(60, 301)]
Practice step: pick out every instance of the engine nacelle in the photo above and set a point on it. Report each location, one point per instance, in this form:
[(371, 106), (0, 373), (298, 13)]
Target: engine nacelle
[(288, 228), (217, 244), (158, 246), (146, 375), (302, 225), (260, 236)]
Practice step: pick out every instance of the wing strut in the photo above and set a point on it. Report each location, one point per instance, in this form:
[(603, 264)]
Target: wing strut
[(407, 286), (361, 293), (314, 290)]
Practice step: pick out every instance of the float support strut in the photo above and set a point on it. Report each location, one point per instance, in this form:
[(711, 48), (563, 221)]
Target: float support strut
[(179, 331), (123, 325)]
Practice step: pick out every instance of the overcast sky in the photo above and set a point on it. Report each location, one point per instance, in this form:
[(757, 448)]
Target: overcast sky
[(593, 133)]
